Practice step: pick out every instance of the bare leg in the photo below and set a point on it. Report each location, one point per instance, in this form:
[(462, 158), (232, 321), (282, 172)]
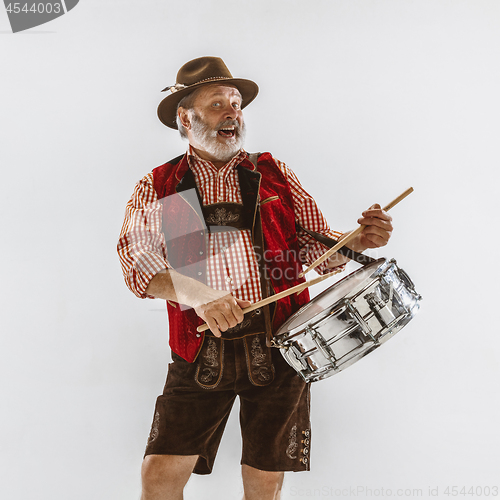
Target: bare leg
[(260, 484), (164, 476)]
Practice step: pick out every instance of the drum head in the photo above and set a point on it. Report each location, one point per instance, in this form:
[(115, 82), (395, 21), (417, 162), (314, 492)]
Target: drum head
[(324, 301)]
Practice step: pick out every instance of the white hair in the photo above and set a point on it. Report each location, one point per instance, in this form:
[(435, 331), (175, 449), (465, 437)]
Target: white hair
[(206, 136), (187, 103)]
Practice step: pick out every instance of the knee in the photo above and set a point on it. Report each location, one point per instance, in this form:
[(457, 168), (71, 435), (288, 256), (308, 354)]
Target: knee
[(152, 469), (258, 484), (170, 470)]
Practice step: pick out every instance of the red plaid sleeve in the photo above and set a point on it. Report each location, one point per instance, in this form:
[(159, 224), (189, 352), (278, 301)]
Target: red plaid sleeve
[(141, 246)]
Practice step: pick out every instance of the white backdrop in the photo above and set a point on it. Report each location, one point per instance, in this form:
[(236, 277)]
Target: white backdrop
[(362, 98)]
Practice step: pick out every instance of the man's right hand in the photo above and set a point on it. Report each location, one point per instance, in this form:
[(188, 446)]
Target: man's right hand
[(222, 313)]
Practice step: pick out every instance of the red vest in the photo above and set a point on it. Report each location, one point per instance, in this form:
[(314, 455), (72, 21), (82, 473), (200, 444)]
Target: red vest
[(266, 194)]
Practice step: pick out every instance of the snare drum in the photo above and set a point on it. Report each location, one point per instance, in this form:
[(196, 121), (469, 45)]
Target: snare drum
[(348, 320)]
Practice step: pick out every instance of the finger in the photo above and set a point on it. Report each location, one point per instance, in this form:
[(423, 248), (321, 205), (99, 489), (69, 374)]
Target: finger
[(236, 311), (376, 208), (373, 241), (386, 225), (243, 303), (213, 327), (377, 231), (375, 237), (377, 213), (221, 320), (233, 310)]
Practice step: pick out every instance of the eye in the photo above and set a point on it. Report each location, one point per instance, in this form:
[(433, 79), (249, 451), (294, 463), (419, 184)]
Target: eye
[(236, 105), (216, 104)]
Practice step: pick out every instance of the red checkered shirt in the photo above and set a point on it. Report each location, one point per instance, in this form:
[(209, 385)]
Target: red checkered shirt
[(232, 264)]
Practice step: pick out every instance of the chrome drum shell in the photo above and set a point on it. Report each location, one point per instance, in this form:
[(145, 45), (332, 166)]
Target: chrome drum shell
[(348, 320)]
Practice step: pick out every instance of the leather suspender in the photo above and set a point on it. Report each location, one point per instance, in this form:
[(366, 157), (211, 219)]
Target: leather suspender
[(360, 258)]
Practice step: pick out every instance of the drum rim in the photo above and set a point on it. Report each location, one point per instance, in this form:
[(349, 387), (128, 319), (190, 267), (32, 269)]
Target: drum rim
[(378, 264)]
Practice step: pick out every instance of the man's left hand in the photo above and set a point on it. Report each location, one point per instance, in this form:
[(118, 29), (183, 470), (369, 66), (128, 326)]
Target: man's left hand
[(378, 229)]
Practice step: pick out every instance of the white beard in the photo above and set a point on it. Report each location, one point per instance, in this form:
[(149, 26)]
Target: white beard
[(208, 138)]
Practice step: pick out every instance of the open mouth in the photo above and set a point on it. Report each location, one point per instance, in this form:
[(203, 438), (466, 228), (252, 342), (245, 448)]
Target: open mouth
[(227, 132)]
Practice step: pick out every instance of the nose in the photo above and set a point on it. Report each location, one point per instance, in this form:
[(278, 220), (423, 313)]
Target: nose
[(230, 113)]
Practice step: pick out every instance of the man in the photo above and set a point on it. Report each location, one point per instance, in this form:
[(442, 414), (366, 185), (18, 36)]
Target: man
[(211, 232)]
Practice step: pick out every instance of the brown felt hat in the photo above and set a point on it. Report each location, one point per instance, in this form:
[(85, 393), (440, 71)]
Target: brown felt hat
[(196, 73)]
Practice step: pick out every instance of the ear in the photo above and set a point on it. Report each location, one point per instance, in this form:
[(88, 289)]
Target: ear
[(184, 117)]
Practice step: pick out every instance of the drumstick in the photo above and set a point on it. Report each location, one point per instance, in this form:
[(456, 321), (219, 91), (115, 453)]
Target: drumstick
[(353, 234), (274, 298)]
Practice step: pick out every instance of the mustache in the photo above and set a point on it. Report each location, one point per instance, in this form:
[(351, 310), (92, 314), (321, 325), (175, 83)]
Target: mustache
[(200, 126), (229, 123)]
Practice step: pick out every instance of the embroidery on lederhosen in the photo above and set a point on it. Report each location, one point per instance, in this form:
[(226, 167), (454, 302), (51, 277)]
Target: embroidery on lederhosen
[(258, 358), (154, 428), (222, 217), (292, 443), (210, 364)]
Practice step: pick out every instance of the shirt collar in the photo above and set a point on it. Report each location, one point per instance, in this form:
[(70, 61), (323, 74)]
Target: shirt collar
[(194, 159)]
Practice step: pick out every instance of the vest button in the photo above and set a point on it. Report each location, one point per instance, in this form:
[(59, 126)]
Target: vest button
[(198, 335)]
